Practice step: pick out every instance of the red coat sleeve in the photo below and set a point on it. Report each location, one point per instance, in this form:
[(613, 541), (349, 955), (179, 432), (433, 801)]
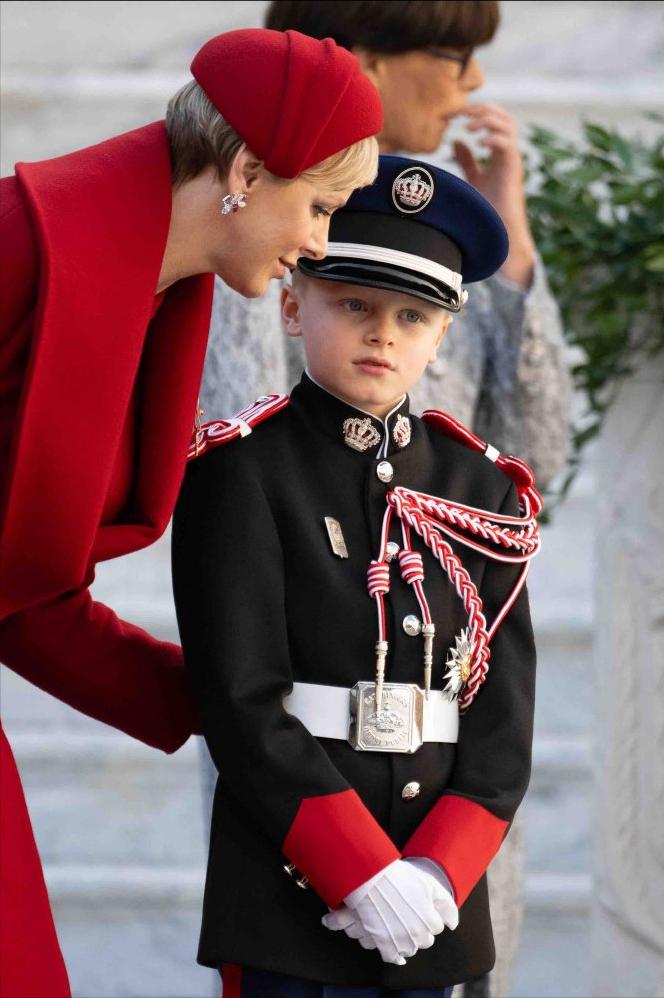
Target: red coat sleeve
[(72, 647), (79, 651)]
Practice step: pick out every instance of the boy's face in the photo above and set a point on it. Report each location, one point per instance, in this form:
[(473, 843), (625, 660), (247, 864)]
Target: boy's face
[(366, 345)]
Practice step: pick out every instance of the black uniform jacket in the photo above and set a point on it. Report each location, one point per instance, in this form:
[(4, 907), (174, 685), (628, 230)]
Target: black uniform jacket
[(263, 601)]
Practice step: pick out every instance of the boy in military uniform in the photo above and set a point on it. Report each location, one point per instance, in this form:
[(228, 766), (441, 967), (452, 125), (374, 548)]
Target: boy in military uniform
[(349, 584)]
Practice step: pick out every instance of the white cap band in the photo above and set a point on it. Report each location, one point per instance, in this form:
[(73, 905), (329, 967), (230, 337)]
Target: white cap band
[(381, 254)]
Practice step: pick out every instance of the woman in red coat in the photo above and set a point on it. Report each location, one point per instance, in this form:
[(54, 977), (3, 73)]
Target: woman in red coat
[(108, 261)]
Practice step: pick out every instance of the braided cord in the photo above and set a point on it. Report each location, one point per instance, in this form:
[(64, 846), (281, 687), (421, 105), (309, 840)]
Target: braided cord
[(516, 537)]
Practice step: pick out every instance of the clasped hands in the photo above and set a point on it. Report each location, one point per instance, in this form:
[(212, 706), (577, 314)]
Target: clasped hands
[(399, 911)]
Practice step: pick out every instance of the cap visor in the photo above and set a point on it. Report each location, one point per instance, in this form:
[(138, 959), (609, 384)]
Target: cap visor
[(385, 276)]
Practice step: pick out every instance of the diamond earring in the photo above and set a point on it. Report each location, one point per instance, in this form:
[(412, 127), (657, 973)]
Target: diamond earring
[(232, 203)]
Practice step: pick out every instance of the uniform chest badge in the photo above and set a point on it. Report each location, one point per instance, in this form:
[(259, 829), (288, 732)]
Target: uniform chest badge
[(458, 664), (336, 537), (401, 431), (360, 434), (412, 190)]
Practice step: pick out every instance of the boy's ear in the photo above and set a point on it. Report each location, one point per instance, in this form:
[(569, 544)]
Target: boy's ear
[(444, 326), (290, 312)]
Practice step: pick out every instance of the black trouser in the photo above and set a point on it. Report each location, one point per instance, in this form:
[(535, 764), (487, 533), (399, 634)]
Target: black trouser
[(244, 982)]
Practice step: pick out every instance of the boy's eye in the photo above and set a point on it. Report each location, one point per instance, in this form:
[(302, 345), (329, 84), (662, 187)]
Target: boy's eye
[(412, 315), (354, 305)]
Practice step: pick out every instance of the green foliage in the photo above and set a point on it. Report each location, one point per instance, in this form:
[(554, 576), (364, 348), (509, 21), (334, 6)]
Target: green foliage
[(597, 213)]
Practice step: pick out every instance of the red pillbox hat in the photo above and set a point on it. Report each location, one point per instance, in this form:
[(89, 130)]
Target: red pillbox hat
[(293, 99)]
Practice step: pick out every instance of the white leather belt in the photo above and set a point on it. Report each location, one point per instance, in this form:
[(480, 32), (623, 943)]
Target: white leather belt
[(407, 717)]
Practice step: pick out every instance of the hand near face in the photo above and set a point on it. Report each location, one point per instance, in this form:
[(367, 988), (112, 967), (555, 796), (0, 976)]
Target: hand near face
[(500, 179)]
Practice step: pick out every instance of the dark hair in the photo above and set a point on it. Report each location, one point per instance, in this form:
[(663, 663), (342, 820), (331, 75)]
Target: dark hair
[(390, 26)]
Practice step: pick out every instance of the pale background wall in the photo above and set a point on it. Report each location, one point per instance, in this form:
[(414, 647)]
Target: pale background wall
[(119, 827)]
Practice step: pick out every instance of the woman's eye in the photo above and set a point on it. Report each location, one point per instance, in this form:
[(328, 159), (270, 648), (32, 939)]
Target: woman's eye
[(320, 210)]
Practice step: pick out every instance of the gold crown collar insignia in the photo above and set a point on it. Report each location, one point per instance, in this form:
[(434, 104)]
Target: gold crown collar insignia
[(360, 434)]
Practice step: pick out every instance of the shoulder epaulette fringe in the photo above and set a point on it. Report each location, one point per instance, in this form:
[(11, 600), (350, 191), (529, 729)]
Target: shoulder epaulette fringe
[(517, 470), (222, 431)]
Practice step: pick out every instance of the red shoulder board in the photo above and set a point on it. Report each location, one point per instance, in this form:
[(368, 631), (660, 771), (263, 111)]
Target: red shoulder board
[(223, 431), (517, 470)]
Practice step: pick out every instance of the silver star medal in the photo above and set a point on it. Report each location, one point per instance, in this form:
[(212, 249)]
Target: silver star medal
[(458, 664)]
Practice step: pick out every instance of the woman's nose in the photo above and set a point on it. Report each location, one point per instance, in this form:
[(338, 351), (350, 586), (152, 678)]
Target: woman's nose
[(473, 76), (316, 245)]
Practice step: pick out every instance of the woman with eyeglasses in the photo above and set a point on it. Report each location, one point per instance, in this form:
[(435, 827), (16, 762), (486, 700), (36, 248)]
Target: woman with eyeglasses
[(502, 366)]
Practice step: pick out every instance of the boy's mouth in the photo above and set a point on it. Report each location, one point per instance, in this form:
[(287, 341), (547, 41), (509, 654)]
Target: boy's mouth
[(374, 365)]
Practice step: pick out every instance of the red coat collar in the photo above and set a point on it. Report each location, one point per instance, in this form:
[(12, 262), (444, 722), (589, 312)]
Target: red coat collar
[(102, 217)]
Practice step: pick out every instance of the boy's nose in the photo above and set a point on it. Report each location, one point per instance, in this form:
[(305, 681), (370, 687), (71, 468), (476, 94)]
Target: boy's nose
[(380, 331)]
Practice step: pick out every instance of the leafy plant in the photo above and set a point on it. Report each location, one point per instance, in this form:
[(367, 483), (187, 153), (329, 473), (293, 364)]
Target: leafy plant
[(597, 212)]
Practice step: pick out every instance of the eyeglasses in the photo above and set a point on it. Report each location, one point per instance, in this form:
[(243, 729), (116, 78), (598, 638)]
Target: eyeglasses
[(460, 60)]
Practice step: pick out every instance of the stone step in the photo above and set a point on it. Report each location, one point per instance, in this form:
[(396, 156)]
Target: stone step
[(563, 702), (564, 674), (162, 887), (553, 958), (142, 924), (106, 800), (130, 932)]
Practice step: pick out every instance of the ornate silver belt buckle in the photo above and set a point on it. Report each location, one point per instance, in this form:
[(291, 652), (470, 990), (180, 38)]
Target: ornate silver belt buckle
[(399, 727)]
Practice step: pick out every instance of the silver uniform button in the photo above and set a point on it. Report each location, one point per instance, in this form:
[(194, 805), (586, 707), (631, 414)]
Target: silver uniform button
[(391, 551), (412, 625), (385, 471), (410, 790)]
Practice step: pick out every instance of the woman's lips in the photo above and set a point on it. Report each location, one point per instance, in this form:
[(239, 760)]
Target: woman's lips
[(283, 266)]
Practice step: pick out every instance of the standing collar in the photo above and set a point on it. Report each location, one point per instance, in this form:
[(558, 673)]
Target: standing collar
[(350, 426)]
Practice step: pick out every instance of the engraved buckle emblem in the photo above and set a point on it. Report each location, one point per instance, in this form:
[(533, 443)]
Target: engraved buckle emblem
[(399, 727)]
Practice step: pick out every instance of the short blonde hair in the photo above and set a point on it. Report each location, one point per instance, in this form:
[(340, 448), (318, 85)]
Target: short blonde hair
[(200, 137)]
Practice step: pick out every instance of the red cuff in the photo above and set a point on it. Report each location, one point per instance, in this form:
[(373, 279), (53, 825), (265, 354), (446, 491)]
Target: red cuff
[(337, 843), (463, 837)]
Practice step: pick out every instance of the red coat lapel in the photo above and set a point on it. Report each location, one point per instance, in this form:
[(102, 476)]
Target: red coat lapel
[(102, 217)]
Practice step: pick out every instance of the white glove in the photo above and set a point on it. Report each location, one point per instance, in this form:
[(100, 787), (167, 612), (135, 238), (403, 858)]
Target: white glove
[(398, 911)]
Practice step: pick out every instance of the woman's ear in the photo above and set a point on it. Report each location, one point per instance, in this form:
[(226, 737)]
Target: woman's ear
[(371, 64), (244, 171), (290, 311)]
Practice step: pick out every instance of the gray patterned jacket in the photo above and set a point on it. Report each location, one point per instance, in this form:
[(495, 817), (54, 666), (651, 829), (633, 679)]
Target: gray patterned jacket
[(501, 368)]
